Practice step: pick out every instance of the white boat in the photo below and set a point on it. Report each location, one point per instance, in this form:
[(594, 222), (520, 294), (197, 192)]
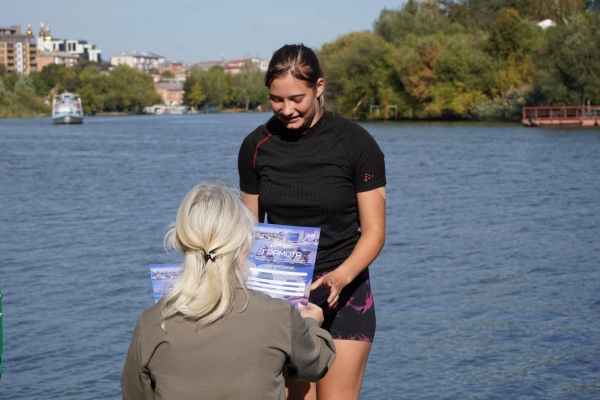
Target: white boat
[(66, 109)]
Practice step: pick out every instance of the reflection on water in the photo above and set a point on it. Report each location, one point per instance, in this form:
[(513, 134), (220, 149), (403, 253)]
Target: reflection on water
[(487, 287)]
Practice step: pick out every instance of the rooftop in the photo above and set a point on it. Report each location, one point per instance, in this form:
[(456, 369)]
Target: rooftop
[(62, 54), (147, 54), (170, 85), (169, 61)]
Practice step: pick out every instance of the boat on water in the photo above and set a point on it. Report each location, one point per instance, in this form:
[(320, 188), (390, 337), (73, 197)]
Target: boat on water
[(66, 109)]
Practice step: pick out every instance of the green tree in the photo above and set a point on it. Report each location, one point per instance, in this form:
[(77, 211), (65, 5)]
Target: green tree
[(25, 95), (68, 80), (51, 75), (9, 82), (196, 95), (24, 91), (215, 86), (570, 72), (4, 93), (250, 87), (511, 36), (358, 67), (504, 36), (416, 18), (41, 87), (130, 90)]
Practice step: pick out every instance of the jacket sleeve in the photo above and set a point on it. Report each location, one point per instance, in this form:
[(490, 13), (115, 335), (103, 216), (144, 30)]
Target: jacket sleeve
[(313, 351), (135, 381)]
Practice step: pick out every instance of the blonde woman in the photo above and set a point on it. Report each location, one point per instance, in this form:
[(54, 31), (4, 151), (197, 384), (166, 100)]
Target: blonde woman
[(211, 337)]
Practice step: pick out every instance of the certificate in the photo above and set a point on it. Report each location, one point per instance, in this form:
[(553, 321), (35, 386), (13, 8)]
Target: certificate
[(282, 261), (280, 264)]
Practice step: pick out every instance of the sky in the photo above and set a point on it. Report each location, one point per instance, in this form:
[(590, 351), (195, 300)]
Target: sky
[(196, 30)]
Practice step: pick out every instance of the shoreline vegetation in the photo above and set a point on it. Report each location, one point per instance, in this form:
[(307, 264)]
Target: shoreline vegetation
[(432, 60)]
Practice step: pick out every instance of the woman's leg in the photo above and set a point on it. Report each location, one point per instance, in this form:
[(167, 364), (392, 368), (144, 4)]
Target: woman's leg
[(345, 377), (352, 326), (296, 390)]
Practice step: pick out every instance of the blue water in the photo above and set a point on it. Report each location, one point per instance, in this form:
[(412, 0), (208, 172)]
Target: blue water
[(488, 286)]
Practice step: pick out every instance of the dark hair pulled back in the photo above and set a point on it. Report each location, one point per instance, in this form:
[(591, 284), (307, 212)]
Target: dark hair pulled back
[(299, 61)]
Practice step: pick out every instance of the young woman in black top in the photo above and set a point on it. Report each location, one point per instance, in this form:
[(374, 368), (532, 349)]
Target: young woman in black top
[(310, 167)]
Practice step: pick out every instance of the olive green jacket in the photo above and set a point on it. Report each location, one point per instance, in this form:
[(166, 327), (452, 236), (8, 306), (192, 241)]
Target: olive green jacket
[(239, 357)]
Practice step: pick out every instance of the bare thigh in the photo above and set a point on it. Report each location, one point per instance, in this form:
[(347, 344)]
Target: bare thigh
[(344, 379)]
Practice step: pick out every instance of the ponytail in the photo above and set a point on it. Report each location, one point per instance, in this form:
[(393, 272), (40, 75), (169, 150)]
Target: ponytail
[(210, 217)]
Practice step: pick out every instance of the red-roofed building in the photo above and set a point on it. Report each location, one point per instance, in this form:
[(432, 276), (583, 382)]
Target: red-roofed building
[(234, 67)]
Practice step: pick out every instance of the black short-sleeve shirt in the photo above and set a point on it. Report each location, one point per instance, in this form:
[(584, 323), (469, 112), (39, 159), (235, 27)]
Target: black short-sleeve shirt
[(311, 179)]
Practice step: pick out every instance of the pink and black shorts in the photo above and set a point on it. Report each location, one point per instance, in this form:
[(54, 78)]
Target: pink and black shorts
[(354, 316)]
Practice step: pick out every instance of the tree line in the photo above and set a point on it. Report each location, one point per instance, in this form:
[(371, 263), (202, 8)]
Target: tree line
[(123, 89), (126, 89), (475, 59), (434, 59), (214, 88)]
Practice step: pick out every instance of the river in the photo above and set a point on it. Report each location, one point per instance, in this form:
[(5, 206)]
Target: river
[(488, 286)]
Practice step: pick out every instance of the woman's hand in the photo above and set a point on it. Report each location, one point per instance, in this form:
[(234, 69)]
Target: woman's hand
[(334, 282), (313, 311), (371, 209)]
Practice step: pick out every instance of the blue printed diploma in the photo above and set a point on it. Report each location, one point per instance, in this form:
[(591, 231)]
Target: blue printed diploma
[(280, 264)]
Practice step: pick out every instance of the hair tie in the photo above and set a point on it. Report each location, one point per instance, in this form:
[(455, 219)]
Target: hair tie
[(209, 256)]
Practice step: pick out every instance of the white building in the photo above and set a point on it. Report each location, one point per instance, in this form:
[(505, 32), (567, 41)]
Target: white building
[(80, 48), (143, 61), (545, 24)]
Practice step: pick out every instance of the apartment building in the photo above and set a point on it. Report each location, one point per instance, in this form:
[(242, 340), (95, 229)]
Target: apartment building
[(18, 52)]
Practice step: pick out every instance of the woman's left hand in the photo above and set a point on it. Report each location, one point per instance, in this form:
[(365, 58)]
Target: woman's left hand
[(334, 282)]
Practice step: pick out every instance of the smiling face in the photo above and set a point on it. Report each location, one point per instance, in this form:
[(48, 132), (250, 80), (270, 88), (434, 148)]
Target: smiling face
[(294, 102)]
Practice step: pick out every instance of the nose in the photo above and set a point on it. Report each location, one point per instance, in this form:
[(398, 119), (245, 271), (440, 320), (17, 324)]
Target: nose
[(288, 108)]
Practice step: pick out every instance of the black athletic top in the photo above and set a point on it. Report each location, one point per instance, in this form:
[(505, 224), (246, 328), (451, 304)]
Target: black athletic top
[(311, 179)]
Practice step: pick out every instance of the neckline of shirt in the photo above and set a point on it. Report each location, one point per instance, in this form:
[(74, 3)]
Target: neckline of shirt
[(317, 127)]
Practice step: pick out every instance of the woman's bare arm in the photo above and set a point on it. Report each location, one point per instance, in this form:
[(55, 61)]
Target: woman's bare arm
[(371, 210), (253, 203)]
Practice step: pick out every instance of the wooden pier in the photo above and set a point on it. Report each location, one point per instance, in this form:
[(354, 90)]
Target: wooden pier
[(561, 115)]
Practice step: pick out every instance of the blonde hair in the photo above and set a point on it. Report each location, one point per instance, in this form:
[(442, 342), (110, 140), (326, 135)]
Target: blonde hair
[(214, 231)]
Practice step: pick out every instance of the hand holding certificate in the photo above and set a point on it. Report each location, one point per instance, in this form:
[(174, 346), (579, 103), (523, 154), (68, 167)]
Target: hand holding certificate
[(280, 264)]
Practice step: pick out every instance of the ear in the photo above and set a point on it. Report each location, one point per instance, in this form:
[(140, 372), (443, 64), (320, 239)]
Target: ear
[(320, 87)]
